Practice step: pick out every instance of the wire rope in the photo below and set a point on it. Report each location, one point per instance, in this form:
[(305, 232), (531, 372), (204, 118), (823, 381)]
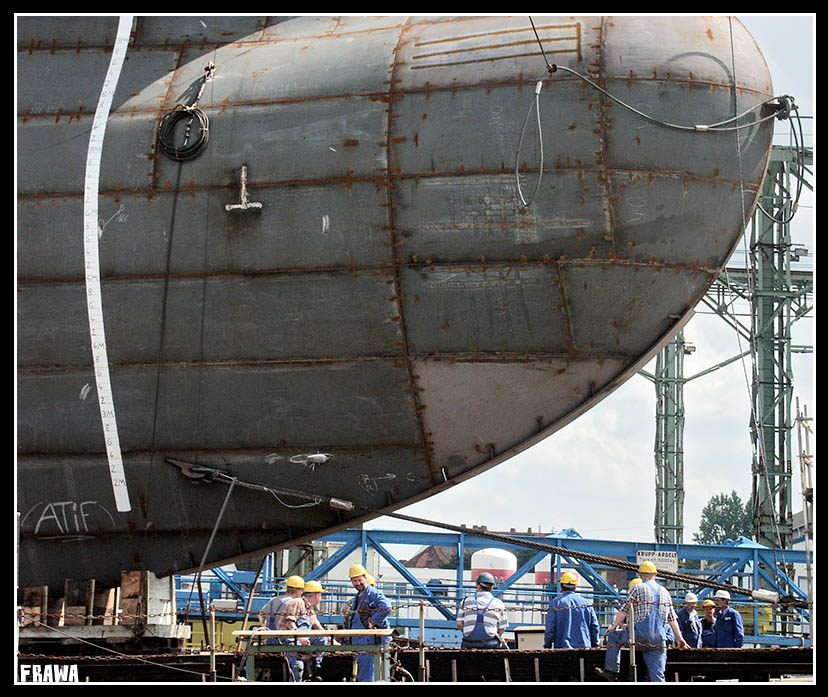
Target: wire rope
[(783, 106), (191, 112), (536, 105)]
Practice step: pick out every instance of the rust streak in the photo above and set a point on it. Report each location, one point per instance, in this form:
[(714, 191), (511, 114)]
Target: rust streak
[(603, 127), (565, 307)]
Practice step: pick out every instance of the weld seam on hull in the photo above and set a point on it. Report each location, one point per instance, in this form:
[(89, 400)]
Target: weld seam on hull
[(490, 266), (413, 386), (383, 181)]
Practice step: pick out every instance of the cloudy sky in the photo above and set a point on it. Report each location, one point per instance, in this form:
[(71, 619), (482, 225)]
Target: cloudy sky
[(597, 474)]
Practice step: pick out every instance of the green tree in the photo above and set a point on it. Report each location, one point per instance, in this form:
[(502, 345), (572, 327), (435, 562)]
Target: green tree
[(723, 517)]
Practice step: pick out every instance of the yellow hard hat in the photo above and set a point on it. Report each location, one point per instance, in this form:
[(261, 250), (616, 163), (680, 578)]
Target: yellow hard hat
[(708, 602), (313, 587), (647, 567), (568, 578), (295, 582), (357, 570), (634, 582), (371, 580)]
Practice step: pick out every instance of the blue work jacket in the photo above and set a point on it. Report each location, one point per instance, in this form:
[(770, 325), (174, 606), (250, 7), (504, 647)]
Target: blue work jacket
[(708, 633), (729, 629), (690, 626), (571, 623), (370, 606)]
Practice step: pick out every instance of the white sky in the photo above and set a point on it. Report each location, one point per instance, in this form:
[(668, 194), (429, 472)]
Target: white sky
[(598, 474)]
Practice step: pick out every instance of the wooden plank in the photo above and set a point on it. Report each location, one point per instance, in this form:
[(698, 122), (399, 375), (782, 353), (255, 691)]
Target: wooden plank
[(105, 606), (312, 632)]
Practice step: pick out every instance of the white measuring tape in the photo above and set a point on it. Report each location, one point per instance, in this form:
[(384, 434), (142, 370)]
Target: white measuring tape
[(94, 304)]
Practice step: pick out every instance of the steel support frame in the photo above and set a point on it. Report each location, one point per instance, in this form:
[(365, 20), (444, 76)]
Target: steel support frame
[(778, 297), (669, 441), (739, 559), (771, 319)]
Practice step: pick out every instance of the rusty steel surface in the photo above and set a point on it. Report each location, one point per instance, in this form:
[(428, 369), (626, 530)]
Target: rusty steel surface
[(391, 303)]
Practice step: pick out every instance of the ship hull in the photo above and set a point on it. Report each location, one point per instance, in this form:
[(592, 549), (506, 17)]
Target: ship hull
[(391, 302)]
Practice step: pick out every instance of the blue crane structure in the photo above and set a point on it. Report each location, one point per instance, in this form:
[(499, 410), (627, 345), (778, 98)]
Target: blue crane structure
[(740, 562)]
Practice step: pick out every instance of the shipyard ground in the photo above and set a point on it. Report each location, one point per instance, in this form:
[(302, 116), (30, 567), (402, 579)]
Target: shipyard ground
[(438, 666)]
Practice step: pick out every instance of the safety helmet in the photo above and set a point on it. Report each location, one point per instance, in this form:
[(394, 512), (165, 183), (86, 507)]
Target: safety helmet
[(357, 570), (708, 602), (485, 579), (295, 582), (371, 580), (313, 587), (647, 567), (568, 578), (689, 598), (634, 582), (722, 594)]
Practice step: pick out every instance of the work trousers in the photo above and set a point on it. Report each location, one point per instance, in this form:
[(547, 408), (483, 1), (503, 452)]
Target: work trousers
[(656, 661), (616, 640)]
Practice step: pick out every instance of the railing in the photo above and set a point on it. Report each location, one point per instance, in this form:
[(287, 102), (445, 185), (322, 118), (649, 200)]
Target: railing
[(525, 606)]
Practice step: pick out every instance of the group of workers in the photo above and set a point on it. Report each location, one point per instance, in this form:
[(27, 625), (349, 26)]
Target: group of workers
[(295, 610), (571, 621), (719, 627)]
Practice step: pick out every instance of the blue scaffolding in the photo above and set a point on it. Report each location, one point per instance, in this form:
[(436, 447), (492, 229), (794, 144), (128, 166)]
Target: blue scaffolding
[(740, 563)]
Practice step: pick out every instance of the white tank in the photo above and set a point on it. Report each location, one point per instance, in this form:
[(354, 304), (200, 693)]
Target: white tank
[(500, 563), (543, 571)]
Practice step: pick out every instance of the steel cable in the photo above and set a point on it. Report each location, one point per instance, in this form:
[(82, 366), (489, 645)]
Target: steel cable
[(166, 129), (782, 107), (586, 556)]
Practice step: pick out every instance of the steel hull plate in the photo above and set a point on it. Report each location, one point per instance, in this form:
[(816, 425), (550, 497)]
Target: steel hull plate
[(390, 303)]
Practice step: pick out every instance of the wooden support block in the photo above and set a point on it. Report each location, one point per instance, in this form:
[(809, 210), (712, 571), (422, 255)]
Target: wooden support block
[(134, 592), (35, 605), (78, 594), (72, 615), (69, 615), (133, 612), (105, 606)]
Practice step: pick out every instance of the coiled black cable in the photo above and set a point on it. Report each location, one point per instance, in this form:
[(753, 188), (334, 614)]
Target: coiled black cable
[(166, 129), (166, 132)]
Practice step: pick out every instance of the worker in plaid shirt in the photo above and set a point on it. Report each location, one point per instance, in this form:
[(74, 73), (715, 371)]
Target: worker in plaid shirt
[(652, 614)]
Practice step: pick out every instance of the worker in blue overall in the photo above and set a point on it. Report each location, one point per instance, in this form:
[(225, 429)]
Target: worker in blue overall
[(708, 624), (571, 622), (482, 617), (308, 620), (283, 612), (652, 612), (369, 611), (617, 637), (689, 622), (729, 629)]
